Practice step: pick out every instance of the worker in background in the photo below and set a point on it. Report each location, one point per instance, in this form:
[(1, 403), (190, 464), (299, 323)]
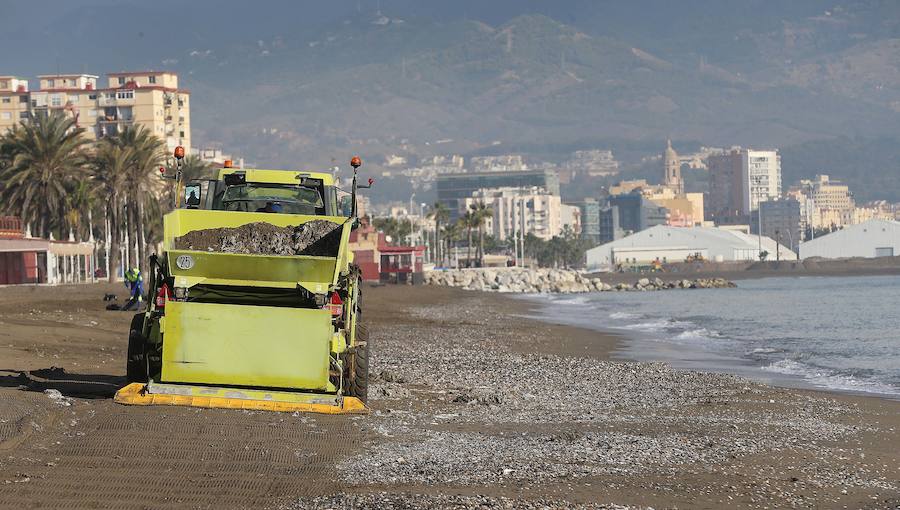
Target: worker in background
[(135, 283)]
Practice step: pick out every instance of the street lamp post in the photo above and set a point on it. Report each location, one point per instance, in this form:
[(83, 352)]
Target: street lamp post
[(422, 231), (409, 214), (777, 246), (758, 192)]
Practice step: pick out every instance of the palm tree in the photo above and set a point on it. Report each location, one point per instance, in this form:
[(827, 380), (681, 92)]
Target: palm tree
[(452, 233), (81, 200), (481, 212), (44, 158), (142, 182), (194, 168), (440, 212), (468, 220), (111, 163)]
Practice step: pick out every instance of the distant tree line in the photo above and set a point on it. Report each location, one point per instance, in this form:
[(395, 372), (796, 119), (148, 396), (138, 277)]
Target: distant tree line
[(469, 231)]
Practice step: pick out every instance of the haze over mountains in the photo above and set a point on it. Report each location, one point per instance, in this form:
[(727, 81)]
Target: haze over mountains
[(291, 83)]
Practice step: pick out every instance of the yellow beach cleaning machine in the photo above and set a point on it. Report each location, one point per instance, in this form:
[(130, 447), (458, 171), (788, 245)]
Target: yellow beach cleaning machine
[(241, 330)]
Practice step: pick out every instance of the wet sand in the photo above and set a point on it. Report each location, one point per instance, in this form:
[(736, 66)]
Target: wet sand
[(473, 404)]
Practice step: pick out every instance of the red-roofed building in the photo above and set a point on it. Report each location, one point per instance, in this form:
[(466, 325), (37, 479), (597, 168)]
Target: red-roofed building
[(380, 262)]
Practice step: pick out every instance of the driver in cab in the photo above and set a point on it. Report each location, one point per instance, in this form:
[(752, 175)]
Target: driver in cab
[(271, 207)]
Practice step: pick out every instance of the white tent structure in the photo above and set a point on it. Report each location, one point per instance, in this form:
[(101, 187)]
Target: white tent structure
[(674, 244), (874, 238)]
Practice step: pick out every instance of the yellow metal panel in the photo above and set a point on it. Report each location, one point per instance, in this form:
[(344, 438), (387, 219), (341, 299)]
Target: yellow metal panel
[(277, 176), (315, 274), (258, 346), (136, 394)]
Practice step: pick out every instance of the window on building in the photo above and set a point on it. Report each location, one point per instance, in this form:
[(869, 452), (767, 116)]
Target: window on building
[(3, 84), (121, 80), (55, 100), (152, 79), (51, 84), (74, 98), (7, 100), (125, 94), (92, 97), (181, 134), (23, 99), (6, 115), (23, 115), (181, 120)]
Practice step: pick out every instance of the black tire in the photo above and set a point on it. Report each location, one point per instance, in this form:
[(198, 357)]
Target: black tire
[(136, 365), (356, 368)]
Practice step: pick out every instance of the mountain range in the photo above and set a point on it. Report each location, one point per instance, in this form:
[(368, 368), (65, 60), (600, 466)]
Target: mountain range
[(308, 83)]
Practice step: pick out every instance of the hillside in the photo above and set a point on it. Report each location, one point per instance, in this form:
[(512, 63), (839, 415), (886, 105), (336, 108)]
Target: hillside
[(315, 82)]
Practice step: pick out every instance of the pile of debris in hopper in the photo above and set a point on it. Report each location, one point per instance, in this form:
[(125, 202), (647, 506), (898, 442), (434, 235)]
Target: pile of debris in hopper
[(316, 238)]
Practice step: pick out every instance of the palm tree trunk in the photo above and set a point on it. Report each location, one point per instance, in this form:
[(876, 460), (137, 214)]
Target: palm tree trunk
[(114, 245), (142, 247), (129, 234), (469, 247), (437, 244), (481, 245)]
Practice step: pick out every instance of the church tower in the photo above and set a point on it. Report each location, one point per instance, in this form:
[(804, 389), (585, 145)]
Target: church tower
[(672, 179)]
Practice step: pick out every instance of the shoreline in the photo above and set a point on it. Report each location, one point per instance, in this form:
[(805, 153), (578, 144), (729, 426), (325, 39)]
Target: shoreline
[(688, 357), (770, 269)]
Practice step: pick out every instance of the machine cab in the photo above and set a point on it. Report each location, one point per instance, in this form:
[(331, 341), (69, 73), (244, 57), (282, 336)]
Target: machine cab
[(268, 191)]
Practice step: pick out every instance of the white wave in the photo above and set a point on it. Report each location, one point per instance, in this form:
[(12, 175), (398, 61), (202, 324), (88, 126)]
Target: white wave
[(578, 300), (763, 350), (829, 379), (659, 325), (697, 334), (624, 315)]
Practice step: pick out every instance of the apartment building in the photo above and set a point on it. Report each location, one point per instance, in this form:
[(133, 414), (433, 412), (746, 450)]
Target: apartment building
[(829, 194), (14, 101), (454, 187), (781, 220), (149, 98), (739, 180), (529, 209)]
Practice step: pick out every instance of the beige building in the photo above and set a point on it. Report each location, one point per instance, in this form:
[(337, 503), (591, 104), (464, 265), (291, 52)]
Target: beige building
[(685, 209), (14, 101), (828, 194), (150, 98), (528, 209), (825, 203)]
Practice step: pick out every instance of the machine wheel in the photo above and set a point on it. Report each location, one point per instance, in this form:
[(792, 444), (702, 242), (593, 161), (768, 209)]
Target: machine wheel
[(136, 367), (356, 368)]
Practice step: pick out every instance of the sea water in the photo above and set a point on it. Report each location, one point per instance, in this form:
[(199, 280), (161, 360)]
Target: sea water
[(833, 333)]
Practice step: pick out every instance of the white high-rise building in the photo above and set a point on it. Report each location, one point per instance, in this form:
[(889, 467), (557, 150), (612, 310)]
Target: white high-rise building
[(760, 178), (531, 210)]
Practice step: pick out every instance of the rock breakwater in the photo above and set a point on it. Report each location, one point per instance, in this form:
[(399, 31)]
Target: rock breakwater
[(559, 281)]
